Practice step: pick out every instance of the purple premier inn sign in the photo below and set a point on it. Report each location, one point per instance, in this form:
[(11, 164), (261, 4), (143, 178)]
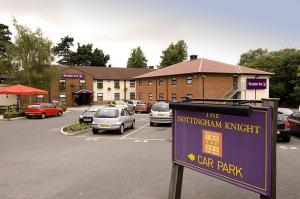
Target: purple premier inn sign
[(256, 83), (235, 149), (79, 76)]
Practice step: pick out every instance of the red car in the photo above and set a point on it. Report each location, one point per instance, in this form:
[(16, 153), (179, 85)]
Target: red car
[(142, 107), (42, 110), (294, 120)]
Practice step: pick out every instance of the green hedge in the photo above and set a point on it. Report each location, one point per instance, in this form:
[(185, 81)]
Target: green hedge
[(63, 107), (9, 115), (75, 128)]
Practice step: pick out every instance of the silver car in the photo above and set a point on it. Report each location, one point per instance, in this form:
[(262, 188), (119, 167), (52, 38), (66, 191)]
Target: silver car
[(87, 115), (113, 119), (160, 114)]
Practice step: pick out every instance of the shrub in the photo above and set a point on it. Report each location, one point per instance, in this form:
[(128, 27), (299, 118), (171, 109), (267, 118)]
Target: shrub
[(9, 115), (75, 128), (63, 107)]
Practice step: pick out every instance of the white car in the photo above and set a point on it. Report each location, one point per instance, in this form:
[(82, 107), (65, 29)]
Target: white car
[(286, 111), (113, 119), (160, 114)]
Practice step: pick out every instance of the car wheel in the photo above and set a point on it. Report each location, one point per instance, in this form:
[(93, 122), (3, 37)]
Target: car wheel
[(43, 116), (133, 124), (151, 124), (95, 131), (59, 114), (121, 130), (287, 139)]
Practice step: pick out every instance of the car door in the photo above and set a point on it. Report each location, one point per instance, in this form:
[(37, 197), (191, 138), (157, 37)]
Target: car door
[(52, 109), (128, 118)]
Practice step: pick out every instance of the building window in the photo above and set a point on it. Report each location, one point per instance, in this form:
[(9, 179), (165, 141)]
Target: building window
[(82, 83), (40, 98), (189, 95), (100, 96), (62, 97), (99, 84), (117, 83), (132, 95), (140, 96), (149, 82), (160, 81), (150, 96), (161, 96), (117, 96), (132, 83), (62, 84), (173, 80), (174, 98), (189, 80), (140, 82)]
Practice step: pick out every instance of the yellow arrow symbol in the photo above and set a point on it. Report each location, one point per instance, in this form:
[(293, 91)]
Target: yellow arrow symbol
[(191, 156)]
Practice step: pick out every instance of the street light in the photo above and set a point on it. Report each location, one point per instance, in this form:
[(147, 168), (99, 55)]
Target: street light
[(203, 76)]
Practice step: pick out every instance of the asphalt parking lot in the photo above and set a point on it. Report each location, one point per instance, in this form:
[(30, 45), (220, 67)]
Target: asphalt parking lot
[(37, 161)]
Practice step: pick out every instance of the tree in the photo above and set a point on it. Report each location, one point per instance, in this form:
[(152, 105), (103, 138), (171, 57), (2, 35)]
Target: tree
[(252, 55), (62, 50), (174, 54), (5, 39), (137, 59), (99, 58), (285, 83), (31, 56)]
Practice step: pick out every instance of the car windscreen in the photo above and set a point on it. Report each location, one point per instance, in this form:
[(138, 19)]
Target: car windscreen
[(281, 117), (163, 107), (107, 113), (34, 106)]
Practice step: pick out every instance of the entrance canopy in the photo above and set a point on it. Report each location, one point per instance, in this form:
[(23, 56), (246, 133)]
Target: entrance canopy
[(22, 90), (84, 91)]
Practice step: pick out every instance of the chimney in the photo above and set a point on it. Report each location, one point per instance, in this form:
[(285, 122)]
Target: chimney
[(193, 57), (151, 67)]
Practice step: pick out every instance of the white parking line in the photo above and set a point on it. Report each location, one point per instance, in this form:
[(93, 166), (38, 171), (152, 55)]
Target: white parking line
[(135, 130)]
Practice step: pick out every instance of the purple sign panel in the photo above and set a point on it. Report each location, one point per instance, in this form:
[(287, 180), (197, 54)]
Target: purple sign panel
[(79, 76), (235, 149), (256, 83)]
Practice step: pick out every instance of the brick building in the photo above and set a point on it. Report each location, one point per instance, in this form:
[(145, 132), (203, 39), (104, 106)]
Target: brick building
[(201, 78), (86, 85)]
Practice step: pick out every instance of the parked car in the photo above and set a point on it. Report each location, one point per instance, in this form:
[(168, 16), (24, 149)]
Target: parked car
[(87, 115), (294, 121), (42, 110), (133, 103), (160, 114), (113, 118), (283, 128), (286, 111), (142, 107)]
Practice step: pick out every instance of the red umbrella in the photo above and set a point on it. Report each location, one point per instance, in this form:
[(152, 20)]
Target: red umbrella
[(22, 90)]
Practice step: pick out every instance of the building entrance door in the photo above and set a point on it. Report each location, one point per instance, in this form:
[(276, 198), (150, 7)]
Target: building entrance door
[(83, 97)]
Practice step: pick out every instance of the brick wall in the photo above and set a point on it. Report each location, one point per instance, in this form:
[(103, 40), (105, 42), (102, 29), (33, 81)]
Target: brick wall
[(215, 86)]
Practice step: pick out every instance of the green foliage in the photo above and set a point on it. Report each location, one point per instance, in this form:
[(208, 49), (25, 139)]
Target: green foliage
[(285, 63), (75, 128), (63, 107), (252, 55), (84, 55), (137, 59), (62, 50), (174, 54), (5, 39), (9, 115), (30, 58)]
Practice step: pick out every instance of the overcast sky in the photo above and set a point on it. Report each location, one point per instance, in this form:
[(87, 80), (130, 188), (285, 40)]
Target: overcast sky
[(215, 29)]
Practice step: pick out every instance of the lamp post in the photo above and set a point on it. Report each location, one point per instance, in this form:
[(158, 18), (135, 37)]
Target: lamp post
[(203, 76)]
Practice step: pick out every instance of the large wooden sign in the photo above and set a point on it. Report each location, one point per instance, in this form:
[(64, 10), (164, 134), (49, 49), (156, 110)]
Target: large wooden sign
[(232, 148)]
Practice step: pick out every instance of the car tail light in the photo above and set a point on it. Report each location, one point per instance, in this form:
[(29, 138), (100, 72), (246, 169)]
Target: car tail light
[(171, 114), (287, 125)]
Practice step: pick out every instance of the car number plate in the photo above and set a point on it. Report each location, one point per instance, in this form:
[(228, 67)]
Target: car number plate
[(104, 126), (160, 114), (87, 120), (278, 132)]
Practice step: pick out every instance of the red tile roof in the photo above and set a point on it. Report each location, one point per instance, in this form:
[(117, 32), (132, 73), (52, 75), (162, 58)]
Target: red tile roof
[(203, 66), (113, 73)]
